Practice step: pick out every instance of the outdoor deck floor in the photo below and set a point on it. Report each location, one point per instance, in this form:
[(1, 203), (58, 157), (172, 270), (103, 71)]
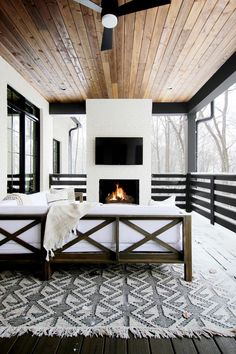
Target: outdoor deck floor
[(213, 243)]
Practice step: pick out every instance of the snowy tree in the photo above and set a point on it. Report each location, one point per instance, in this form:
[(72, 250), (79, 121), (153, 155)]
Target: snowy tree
[(217, 137), (168, 144)]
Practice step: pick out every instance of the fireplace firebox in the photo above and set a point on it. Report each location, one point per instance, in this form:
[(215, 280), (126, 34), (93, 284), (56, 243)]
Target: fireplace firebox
[(119, 191)]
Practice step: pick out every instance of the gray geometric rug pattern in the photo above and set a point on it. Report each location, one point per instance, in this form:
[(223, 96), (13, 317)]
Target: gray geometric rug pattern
[(147, 300)]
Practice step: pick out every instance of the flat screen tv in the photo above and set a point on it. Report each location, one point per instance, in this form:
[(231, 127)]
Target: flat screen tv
[(119, 151)]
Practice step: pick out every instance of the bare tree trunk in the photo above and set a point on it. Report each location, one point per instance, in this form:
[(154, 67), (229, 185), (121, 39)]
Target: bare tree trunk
[(155, 146), (167, 145), (218, 133), (178, 133)]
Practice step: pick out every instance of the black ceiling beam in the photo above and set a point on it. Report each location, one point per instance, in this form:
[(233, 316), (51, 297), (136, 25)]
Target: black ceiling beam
[(67, 108), (217, 84), (169, 108), (80, 108)]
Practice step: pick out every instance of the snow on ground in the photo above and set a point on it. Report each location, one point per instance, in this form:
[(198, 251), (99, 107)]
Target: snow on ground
[(214, 247)]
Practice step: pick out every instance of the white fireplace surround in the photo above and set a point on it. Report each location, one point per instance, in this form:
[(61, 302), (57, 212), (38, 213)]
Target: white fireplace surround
[(119, 118)]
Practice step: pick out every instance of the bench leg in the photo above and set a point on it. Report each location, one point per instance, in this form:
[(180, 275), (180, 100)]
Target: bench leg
[(187, 236), (188, 271), (47, 272)]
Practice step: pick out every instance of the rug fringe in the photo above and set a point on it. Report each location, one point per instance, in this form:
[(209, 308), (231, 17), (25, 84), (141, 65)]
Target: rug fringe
[(121, 332)]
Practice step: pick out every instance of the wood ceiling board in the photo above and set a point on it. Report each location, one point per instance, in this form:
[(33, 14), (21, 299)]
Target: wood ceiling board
[(165, 37), (177, 39), (153, 45), (55, 44), (165, 84), (210, 59), (190, 68)]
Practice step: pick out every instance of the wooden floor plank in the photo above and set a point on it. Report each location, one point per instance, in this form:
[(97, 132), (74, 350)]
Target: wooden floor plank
[(226, 345), (206, 346), (70, 345), (93, 345), (138, 345), (6, 344), (24, 344), (47, 344), (160, 346), (115, 346), (184, 346)]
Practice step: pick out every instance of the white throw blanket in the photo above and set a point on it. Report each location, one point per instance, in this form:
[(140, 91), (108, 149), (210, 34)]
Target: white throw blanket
[(61, 220)]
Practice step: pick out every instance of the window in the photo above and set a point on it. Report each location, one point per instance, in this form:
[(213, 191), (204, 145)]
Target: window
[(23, 144), (216, 143), (168, 144), (56, 156), (77, 147)]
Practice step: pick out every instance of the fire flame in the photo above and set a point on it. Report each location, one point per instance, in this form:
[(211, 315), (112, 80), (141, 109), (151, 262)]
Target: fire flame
[(119, 194)]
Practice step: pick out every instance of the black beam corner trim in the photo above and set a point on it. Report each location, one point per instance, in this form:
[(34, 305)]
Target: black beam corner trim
[(67, 108), (169, 107), (218, 83)]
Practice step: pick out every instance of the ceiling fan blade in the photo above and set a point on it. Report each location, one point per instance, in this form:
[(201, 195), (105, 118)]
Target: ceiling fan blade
[(139, 5), (90, 4), (106, 39)]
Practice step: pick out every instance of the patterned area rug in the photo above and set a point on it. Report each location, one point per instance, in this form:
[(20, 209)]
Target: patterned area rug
[(147, 300)]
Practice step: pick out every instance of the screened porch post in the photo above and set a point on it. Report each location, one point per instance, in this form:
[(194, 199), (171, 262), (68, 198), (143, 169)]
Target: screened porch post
[(191, 143)]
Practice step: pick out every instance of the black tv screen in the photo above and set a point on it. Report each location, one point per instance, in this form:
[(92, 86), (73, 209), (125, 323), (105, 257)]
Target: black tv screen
[(119, 151)]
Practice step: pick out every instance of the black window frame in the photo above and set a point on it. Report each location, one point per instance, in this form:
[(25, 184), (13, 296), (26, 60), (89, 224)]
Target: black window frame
[(56, 156), (26, 110)]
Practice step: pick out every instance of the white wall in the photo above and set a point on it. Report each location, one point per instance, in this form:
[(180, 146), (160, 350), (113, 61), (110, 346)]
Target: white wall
[(61, 128), (119, 118), (11, 77)]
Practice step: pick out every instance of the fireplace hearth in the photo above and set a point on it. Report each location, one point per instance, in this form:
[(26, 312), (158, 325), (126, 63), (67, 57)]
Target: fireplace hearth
[(119, 191)]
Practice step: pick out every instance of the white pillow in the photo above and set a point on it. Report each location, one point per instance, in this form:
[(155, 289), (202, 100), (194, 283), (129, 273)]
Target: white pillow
[(24, 210), (169, 201), (20, 198), (54, 198), (70, 192), (39, 198), (7, 203)]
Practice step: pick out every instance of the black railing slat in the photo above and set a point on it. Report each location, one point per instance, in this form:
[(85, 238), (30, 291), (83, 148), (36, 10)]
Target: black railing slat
[(225, 188), (169, 190), (201, 202), (225, 200), (200, 184), (225, 223), (68, 183), (200, 193), (226, 212), (202, 212), (168, 183), (63, 175), (170, 175)]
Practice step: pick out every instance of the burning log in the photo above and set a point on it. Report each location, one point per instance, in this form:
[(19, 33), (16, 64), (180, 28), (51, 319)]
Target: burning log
[(119, 196)]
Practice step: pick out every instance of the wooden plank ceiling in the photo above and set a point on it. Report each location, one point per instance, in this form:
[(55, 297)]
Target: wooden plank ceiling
[(164, 53)]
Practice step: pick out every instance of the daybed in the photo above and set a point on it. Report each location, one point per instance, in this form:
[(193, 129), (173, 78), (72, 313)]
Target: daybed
[(22, 231), (107, 234)]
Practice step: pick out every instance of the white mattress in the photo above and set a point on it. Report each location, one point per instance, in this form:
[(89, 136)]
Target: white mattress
[(105, 236), (128, 236)]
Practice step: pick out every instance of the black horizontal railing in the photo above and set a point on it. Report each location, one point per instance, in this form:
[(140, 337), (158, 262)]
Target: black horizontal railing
[(78, 181), (165, 185), (15, 181), (213, 196)]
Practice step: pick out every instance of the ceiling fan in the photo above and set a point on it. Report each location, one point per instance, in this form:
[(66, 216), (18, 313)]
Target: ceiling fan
[(110, 11)]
